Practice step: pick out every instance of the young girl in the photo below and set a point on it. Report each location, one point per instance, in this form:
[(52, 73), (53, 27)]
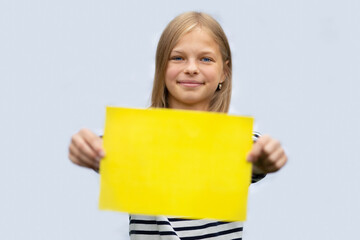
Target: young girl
[(193, 72)]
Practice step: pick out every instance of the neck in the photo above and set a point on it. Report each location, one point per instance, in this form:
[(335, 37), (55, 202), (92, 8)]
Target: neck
[(196, 107)]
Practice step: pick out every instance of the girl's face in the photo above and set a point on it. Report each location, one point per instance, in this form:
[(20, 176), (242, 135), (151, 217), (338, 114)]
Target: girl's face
[(194, 71)]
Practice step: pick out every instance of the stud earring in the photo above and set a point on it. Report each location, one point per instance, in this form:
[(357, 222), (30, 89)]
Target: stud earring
[(219, 86)]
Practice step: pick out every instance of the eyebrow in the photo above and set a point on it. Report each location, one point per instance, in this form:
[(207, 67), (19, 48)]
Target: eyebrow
[(202, 52)]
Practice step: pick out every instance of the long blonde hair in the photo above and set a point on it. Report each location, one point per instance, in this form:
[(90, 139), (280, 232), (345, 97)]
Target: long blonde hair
[(178, 27)]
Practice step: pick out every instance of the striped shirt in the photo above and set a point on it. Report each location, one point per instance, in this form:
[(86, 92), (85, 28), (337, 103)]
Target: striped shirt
[(170, 228)]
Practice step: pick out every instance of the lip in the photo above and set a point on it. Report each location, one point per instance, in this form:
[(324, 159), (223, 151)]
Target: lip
[(190, 83)]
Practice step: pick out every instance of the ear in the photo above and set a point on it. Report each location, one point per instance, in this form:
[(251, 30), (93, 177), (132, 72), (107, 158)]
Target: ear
[(225, 73)]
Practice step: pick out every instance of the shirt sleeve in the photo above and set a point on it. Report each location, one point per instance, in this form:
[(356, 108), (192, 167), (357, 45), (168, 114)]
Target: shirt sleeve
[(256, 177)]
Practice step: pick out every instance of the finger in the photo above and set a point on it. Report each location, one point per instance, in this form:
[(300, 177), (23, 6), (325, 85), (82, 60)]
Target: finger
[(94, 141), (257, 149), (278, 165), (80, 158), (274, 157), (271, 146), (76, 160), (255, 152), (81, 145)]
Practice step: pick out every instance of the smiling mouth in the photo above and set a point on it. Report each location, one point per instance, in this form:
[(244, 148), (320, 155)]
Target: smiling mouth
[(190, 83)]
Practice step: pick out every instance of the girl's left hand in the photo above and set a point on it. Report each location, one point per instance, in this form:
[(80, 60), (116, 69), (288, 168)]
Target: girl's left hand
[(267, 155)]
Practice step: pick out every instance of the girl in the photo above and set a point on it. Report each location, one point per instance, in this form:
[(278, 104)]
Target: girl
[(193, 72)]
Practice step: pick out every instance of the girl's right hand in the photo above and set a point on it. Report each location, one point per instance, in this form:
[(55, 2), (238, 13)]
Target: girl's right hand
[(86, 149)]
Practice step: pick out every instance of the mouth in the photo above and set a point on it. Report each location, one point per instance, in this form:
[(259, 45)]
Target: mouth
[(190, 83)]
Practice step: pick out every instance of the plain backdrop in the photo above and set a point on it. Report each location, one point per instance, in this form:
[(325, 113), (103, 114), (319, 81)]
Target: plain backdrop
[(296, 69)]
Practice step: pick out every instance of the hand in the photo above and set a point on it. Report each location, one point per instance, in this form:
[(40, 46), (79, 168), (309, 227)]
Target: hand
[(267, 155), (86, 149)]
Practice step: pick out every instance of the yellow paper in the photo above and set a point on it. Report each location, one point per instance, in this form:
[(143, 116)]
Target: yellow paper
[(176, 163)]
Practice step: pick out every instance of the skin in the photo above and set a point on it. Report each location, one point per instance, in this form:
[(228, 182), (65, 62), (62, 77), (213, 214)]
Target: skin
[(194, 70)]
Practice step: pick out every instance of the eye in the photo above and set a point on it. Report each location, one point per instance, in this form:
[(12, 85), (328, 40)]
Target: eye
[(206, 59), (176, 58)]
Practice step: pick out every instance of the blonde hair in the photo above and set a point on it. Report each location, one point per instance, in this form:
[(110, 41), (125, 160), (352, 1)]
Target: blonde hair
[(178, 27)]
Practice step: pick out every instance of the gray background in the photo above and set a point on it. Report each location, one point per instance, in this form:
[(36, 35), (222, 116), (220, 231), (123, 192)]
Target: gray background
[(296, 69)]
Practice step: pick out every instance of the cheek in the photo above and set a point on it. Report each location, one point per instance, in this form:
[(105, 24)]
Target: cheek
[(213, 74), (171, 73)]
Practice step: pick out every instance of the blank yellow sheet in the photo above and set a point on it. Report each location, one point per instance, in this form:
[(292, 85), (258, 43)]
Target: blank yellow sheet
[(176, 163)]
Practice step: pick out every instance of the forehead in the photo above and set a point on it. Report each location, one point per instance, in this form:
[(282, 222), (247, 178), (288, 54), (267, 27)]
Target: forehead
[(197, 37)]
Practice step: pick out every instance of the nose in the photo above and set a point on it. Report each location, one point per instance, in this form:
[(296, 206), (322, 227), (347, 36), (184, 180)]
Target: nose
[(191, 67)]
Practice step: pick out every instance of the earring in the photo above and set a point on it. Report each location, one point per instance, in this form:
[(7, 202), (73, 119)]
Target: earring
[(219, 86)]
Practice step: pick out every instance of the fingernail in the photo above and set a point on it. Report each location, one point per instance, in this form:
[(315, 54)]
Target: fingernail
[(249, 158), (101, 154)]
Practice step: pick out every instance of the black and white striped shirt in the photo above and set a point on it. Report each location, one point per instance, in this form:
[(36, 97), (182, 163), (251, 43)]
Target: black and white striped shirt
[(169, 228)]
